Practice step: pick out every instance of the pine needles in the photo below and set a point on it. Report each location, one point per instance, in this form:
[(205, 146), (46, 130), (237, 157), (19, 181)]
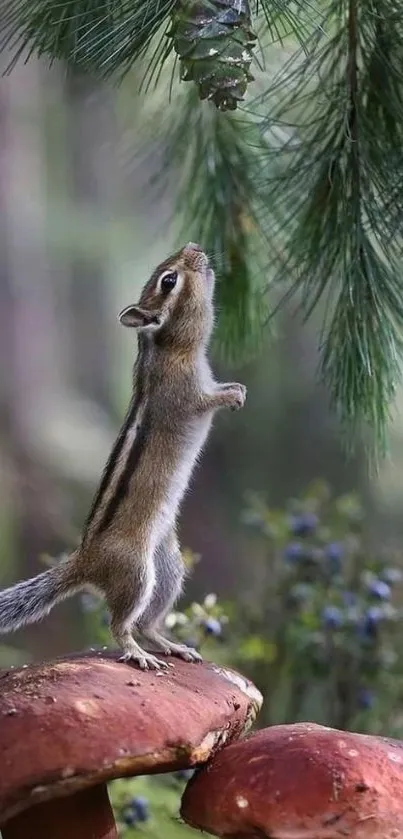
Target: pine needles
[(103, 37), (211, 159), (107, 37), (333, 200)]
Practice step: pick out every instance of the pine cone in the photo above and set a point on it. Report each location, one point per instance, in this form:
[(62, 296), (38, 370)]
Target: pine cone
[(214, 42)]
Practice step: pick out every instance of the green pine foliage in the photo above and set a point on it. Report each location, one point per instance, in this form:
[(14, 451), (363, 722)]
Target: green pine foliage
[(301, 193), (102, 38), (219, 155), (107, 38), (333, 198)]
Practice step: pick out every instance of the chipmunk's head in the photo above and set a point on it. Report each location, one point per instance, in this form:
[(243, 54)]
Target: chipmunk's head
[(176, 304)]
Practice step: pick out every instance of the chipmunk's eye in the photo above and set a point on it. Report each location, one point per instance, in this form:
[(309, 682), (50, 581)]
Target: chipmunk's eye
[(168, 281)]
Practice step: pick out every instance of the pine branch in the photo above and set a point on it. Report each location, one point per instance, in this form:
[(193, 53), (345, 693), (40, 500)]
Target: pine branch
[(286, 19), (207, 155), (213, 38), (332, 200), (103, 38)]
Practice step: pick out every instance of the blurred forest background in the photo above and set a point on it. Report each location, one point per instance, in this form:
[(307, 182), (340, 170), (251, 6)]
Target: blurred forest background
[(304, 607)]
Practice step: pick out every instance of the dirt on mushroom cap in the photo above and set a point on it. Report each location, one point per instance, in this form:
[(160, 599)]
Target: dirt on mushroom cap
[(76, 722), (303, 781)]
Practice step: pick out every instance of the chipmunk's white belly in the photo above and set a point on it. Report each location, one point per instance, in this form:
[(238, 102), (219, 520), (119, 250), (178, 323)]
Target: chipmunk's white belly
[(195, 436)]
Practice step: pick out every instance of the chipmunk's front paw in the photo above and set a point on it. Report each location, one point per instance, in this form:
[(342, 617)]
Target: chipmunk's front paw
[(235, 395)]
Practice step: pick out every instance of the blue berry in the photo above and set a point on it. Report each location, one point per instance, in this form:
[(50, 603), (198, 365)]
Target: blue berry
[(365, 698), (374, 614), (304, 524), (129, 817), (349, 598), (332, 617), (139, 805), (293, 552), (379, 589), (369, 624), (334, 554), (391, 575), (212, 626)]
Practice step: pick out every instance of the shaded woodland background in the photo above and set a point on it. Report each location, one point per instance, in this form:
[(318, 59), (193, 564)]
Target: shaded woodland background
[(80, 233)]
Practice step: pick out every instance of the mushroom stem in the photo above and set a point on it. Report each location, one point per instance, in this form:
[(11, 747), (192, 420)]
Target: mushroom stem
[(85, 815)]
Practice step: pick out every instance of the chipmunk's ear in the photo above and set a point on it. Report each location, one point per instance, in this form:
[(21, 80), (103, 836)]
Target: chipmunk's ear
[(138, 318)]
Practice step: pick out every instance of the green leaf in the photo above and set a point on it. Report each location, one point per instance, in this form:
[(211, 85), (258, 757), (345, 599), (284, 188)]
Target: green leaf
[(258, 649)]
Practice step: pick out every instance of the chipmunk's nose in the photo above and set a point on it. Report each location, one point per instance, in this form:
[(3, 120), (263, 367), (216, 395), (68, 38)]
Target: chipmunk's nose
[(191, 246), (195, 257)]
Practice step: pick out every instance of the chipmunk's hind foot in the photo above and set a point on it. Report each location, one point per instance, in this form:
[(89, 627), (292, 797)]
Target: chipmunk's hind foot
[(187, 653), (170, 648), (132, 650), (145, 661)]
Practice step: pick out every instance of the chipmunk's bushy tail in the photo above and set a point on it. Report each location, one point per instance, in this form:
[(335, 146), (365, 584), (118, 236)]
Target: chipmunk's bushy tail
[(31, 600)]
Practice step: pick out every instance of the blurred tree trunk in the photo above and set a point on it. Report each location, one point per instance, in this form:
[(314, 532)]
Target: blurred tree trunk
[(92, 140), (30, 350)]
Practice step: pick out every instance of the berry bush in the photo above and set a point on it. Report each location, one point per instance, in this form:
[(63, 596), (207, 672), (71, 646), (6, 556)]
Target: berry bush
[(322, 639)]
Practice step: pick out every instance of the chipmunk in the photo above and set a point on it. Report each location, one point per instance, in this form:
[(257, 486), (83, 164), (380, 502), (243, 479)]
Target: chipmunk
[(129, 552)]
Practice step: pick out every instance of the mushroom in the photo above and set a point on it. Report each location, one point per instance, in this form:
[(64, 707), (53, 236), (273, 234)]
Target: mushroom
[(70, 726), (301, 781)]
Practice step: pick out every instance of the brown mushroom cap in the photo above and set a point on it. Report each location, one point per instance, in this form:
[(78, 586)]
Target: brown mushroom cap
[(301, 781), (78, 722)]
